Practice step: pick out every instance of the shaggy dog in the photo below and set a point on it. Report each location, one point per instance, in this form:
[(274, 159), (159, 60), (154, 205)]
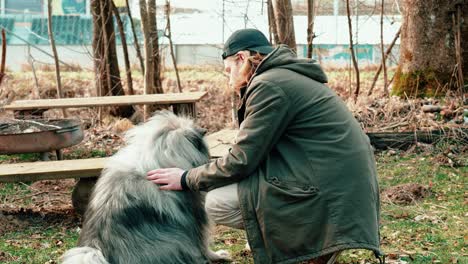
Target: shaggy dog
[(129, 219)]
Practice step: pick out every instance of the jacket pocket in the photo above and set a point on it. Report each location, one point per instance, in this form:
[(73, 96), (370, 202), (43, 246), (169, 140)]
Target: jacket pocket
[(292, 188), (288, 167)]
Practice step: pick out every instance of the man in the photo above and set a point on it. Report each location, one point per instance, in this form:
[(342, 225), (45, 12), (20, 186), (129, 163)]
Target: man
[(301, 177)]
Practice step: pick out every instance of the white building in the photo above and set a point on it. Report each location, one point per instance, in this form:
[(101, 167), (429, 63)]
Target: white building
[(198, 37)]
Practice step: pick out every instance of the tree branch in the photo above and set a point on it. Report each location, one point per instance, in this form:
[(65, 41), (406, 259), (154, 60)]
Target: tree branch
[(353, 56)]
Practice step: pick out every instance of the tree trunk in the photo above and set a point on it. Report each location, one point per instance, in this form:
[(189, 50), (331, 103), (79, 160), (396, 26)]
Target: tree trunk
[(4, 46), (148, 45), (310, 27), (106, 67), (464, 40), (152, 82), (353, 55), (461, 20), (382, 48), (272, 23), (387, 53), (123, 38), (171, 46), (427, 49), (282, 10), (135, 39), (54, 50), (156, 62)]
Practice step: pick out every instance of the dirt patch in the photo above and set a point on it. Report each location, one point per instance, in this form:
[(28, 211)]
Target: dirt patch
[(47, 203), (405, 193), (50, 193), (22, 218), (55, 185)]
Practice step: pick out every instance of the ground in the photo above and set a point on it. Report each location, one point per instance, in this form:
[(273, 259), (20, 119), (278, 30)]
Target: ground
[(423, 189), (37, 221)]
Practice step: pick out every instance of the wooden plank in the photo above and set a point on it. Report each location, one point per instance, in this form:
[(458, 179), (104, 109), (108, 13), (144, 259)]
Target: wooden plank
[(219, 151), (220, 142), (61, 169), (83, 168), (225, 136), (170, 98)]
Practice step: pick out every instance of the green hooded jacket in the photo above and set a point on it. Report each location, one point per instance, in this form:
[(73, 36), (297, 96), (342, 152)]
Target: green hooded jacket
[(306, 170)]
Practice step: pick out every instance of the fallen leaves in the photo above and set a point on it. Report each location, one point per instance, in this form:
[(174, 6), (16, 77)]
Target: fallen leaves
[(405, 193), (428, 218)]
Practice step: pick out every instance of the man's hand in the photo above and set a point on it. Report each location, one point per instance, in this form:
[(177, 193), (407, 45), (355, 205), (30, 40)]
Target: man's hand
[(169, 178)]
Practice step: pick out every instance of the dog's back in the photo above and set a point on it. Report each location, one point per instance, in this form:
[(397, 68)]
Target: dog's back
[(129, 220)]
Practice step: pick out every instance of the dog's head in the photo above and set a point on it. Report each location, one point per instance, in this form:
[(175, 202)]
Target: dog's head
[(165, 141)]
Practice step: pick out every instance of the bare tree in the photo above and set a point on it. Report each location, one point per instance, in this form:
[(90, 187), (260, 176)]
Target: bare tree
[(106, 67), (353, 55), (36, 92), (4, 49), (135, 38), (282, 10), (150, 34), (272, 23), (123, 39), (153, 31), (310, 26), (384, 66), (148, 45), (457, 21), (387, 52), (428, 58), (462, 15), (171, 46), (54, 50), (152, 81)]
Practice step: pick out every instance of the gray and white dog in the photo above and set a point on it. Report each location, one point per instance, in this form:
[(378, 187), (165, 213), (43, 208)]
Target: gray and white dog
[(129, 220)]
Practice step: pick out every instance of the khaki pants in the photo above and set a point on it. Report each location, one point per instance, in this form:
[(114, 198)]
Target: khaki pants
[(222, 206)]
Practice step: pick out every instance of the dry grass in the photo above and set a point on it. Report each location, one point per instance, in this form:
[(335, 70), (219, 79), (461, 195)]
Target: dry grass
[(375, 112)]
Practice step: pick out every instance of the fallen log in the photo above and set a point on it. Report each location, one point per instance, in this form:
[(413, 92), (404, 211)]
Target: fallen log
[(404, 140)]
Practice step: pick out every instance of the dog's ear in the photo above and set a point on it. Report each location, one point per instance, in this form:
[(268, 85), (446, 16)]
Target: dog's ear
[(201, 131), (196, 137)]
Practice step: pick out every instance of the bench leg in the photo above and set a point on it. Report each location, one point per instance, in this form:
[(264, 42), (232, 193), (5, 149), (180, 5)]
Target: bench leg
[(59, 154), (45, 156), (81, 194)]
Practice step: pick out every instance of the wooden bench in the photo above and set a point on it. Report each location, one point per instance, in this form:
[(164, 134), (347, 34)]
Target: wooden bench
[(218, 144), (87, 170), (182, 103)]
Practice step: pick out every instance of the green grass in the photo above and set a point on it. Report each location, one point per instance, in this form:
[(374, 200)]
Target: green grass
[(430, 231), (20, 157), (440, 235), (9, 189), (37, 244)]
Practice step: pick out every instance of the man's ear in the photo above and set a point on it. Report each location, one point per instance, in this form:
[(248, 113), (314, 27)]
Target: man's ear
[(241, 55)]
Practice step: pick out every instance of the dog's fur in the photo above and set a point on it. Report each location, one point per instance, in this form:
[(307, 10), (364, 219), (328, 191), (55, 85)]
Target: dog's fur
[(129, 220)]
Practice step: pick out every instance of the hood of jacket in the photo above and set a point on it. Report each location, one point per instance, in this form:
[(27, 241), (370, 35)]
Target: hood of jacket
[(284, 57)]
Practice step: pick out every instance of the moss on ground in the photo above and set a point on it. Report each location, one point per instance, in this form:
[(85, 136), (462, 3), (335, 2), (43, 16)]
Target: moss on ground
[(420, 83)]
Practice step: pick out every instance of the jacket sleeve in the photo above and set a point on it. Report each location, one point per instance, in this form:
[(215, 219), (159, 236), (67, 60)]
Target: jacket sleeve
[(266, 110)]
